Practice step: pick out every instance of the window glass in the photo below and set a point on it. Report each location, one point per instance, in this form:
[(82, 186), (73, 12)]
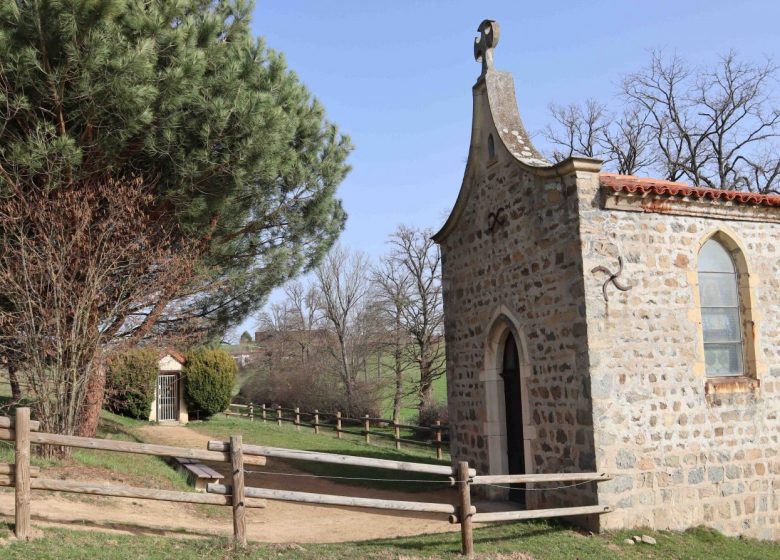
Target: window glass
[(721, 321), (723, 359), (718, 289), (721, 324), (713, 257)]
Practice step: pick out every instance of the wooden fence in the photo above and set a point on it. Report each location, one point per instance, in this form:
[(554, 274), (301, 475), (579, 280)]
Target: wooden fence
[(24, 478), (317, 420), (462, 478)]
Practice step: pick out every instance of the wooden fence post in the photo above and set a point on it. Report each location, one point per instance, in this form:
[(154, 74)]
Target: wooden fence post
[(239, 509), (464, 514), (397, 435), (22, 474), (316, 421), (297, 419), (438, 440), (279, 415), (338, 424), (251, 412), (263, 412), (368, 429)]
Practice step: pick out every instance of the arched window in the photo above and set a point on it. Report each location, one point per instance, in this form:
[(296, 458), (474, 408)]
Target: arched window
[(720, 311), (491, 147)]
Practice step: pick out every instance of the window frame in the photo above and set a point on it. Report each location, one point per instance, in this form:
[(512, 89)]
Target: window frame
[(733, 277), (754, 366)]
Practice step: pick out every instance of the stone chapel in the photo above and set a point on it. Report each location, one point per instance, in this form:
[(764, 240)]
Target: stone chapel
[(606, 323)]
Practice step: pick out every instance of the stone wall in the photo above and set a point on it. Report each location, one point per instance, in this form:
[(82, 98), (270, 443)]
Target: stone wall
[(687, 451), (523, 277)]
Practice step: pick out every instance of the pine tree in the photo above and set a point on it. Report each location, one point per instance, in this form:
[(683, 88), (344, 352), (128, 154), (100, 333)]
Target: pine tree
[(182, 99)]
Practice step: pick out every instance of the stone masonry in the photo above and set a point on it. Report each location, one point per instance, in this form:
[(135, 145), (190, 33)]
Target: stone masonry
[(612, 385)]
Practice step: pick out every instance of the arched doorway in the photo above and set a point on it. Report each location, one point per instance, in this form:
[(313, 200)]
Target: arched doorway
[(510, 372)]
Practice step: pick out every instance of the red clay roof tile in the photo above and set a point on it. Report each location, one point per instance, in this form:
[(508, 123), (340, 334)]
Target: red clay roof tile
[(645, 185)]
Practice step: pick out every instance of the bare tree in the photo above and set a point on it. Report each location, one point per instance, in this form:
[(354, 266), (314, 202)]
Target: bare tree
[(714, 126), (71, 261), (342, 284), (393, 285), (305, 316), (711, 124), (628, 142), (423, 315), (578, 130), (275, 318)]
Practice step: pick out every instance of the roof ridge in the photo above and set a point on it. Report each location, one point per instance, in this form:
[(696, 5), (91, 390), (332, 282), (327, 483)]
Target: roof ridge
[(663, 187)]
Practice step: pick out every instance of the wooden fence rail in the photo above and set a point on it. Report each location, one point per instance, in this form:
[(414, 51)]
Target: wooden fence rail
[(540, 478), (25, 478), (334, 500), (366, 424), (357, 461), (127, 447), (463, 477), (122, 491)]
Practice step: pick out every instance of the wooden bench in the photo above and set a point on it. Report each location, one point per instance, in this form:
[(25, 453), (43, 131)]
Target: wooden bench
[(198, 473)]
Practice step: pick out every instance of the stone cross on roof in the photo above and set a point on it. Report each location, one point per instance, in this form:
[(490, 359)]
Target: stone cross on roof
[(485, 43)]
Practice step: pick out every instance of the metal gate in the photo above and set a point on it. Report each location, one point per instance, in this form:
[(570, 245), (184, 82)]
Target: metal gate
[(167, 398)]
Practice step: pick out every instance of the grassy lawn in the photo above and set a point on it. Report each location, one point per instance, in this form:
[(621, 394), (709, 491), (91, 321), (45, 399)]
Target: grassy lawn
[(269, 433), (535, 540), (259, 433), (154, 471)]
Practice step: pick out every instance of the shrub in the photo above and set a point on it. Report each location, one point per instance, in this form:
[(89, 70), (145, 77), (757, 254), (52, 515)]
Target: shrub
[(130, 382), (429, 414), (324, 391), (209, 376), (427, 417)]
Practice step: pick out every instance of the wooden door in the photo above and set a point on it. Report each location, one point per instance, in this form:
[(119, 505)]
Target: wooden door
[(510, 372)]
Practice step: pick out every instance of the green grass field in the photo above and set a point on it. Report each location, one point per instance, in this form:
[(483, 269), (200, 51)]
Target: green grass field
[(518, 541), (153, 470), (259, 433)]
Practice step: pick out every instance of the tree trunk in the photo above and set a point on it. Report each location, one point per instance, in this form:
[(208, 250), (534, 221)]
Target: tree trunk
[(399, 391), (426, 395), (399, 372), (345, 373), (93, 403), (13, 379), (349, 396), (426, 382)]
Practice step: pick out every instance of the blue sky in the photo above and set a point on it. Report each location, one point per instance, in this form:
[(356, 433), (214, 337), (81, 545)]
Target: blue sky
[(396, 77)]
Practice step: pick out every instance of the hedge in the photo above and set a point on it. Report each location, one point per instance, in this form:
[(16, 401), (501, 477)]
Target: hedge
[(130, 382), (209, 376)]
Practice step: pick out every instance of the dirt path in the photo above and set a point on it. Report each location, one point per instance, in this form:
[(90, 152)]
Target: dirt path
[(280, 522)]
